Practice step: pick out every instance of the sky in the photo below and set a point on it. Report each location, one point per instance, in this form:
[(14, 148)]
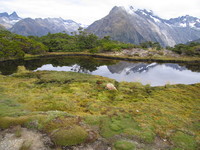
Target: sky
[(88, 11)]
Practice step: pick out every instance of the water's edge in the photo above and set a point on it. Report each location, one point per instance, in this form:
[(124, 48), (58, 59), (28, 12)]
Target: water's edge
[(111, 57)]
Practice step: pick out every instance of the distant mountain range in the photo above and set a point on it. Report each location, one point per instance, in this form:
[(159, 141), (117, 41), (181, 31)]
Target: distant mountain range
[(38, 26), (125, 24)]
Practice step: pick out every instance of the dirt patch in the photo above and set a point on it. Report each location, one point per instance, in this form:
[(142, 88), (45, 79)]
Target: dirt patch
[(138, 52), (18, 138)]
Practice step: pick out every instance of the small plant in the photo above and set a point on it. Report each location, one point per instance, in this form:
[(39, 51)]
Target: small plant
[(124, 145), (26, 145), (70, 136), (18, 131)]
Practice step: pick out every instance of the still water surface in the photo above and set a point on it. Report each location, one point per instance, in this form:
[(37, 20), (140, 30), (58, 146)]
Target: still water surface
[(147, 73)]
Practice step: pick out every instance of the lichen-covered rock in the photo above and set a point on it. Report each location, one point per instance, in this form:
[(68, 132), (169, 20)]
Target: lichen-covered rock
[(110, 86)]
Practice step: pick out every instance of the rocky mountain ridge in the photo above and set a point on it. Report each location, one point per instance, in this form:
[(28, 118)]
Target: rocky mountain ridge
[(7, 20), (131, 25), (38, 26)]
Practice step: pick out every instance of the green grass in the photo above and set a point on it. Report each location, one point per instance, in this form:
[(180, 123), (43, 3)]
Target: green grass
[(124, 145), (69, 136), (53, 102), (183, 141)]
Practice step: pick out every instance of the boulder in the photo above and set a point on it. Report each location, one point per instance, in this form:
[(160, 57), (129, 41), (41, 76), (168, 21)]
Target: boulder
[(110, 86)]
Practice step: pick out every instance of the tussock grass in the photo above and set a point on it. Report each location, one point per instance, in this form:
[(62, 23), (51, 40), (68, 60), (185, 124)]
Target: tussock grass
[(53, 102)]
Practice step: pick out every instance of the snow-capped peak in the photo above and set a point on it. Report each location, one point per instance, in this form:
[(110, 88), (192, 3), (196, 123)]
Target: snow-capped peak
[(129, 9)]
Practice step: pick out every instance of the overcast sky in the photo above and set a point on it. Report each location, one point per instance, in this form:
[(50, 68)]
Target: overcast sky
[(87, 11)]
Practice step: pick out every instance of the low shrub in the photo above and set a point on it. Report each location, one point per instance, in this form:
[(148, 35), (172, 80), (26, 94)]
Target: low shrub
[(69, 136)]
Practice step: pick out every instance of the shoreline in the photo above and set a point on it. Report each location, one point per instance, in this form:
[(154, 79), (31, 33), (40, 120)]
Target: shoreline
[(108, 56)]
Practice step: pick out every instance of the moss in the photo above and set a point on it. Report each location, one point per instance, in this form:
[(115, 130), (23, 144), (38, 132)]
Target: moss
[(183, 141), (6, 122), (26, 145), (133, 111), (71, 136), (116, 125), (124, 145), (145, 135), (93, 120)]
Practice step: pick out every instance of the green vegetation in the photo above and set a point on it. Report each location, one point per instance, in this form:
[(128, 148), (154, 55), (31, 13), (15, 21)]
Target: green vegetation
[(74, 108), (70, 136), (124, 145), (183, 141), (79, 42), (26, 145), (16, 46), (150, 44), (190, 49)]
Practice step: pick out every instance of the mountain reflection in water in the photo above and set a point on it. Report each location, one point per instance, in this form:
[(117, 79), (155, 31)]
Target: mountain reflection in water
[(146, 73)]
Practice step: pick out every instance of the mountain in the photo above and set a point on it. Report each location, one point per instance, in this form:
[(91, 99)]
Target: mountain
[(131, 25), (7, 20), (2, 27), (40, 27), (195, 41), (129, 68), (185, 21)]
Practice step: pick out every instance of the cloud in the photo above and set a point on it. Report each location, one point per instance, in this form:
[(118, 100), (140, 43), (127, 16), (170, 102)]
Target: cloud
[(87, 11)]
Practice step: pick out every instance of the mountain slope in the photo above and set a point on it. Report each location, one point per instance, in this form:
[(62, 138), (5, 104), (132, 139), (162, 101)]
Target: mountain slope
[(40, 27), (136, 26), (7, 20)]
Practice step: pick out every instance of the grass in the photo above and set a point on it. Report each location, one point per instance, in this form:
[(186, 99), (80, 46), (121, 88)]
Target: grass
[(124, 145), (69, 136), (150, 58), (184, 141), (70, 103)]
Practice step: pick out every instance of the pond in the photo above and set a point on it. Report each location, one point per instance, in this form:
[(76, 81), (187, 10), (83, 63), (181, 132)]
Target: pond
[(152, 73)]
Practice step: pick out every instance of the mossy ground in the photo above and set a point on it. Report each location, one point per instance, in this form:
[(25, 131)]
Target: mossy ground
[(68, 102)]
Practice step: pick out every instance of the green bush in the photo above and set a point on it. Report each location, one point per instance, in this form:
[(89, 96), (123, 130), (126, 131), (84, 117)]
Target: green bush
[(13, 45)]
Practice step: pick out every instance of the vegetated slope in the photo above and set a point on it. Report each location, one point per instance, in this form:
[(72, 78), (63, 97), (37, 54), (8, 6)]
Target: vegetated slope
[(16, 46), (83, 41), (74, 108), (2, 27), (136, 26)]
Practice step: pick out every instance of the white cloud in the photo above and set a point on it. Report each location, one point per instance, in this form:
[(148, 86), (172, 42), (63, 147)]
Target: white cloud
[(87, 11)]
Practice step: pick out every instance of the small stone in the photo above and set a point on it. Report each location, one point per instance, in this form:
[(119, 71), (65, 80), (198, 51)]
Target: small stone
[(164, 140), (110, 86)]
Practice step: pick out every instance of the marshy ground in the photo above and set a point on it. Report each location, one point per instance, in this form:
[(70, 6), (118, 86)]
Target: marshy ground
[(76, 111)]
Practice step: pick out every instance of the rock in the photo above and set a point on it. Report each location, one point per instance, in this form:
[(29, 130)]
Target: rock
[(110, 86)]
